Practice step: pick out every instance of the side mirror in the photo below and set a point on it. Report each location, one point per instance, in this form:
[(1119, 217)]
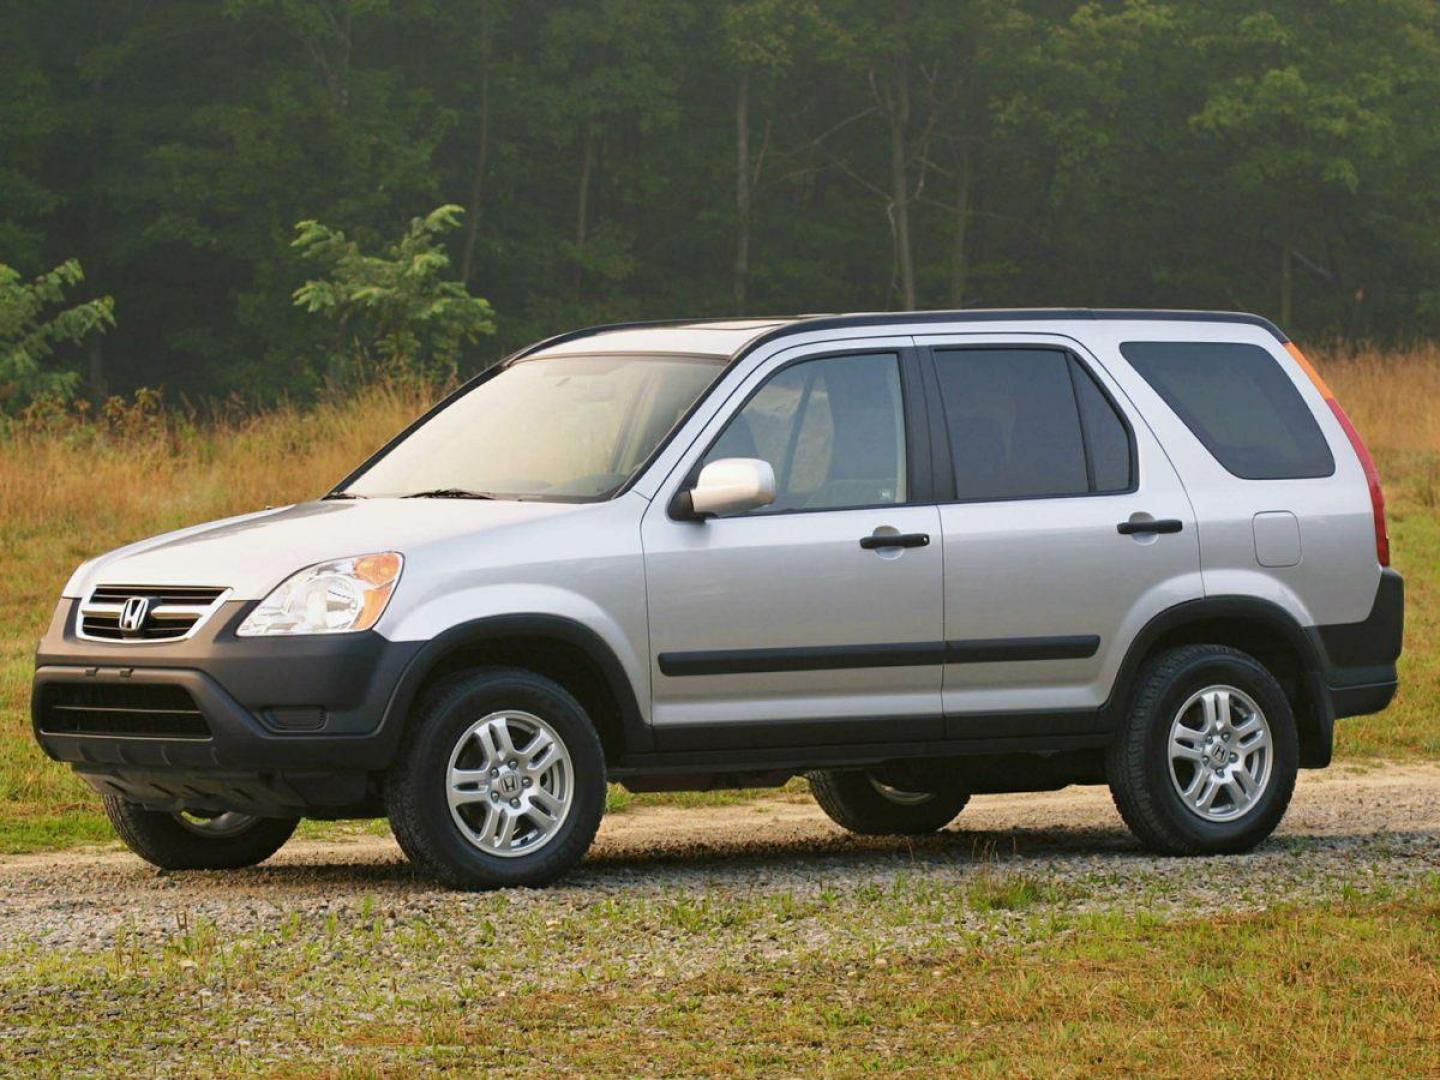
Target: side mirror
[(727, 486)]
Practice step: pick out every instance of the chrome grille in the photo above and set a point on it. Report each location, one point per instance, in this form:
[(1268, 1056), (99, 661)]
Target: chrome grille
[(156, 612)]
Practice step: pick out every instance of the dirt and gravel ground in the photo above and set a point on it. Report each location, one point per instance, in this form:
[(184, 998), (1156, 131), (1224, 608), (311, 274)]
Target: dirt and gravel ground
[(1358, 828)]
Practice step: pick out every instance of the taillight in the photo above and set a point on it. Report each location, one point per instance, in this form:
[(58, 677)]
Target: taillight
[(1372, 475)]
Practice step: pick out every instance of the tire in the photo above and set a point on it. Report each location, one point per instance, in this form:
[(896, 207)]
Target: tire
[(446, 751), (862, 802), (175, 842), (1146, 775)]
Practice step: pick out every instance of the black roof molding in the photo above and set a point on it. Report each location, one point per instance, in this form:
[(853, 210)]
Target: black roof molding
[(589, 331)]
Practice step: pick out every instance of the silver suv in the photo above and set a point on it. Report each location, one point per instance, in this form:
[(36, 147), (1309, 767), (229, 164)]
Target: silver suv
[(915, 557)]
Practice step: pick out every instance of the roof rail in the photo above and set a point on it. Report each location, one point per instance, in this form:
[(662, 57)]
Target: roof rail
[(887, 318), (799, 324)]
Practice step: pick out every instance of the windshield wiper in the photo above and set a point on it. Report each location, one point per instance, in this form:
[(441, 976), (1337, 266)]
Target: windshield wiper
[(449, 493), (344, 495)]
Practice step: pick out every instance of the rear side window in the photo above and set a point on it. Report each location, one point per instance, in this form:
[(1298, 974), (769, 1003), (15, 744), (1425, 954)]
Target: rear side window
[(1239, 403), (1029, 424), (1106, 437)]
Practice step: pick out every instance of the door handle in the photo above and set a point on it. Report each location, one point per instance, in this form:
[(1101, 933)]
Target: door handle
[(894, 540), (1142, 528)]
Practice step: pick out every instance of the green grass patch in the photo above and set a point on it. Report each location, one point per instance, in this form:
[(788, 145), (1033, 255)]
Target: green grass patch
[(712, 985), (27, 829)]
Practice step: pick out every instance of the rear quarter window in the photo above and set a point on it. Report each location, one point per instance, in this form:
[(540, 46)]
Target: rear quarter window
[(1239, 403)]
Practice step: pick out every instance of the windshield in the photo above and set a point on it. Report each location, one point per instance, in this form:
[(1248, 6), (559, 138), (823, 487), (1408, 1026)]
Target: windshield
[(567, 428)]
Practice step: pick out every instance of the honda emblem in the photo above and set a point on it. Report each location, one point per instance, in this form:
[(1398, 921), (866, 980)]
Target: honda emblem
[(132, 615)]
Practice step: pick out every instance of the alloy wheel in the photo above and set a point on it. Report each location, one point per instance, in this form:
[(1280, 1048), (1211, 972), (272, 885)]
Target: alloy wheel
[(1221, 753), (229, 823), (510, 783), (899, 796)]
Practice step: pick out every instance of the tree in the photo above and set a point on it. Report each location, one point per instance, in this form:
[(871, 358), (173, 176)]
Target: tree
[(394, 311), (31, 329), (762, 37), (1306, 123), (609, 72), (622, 160)]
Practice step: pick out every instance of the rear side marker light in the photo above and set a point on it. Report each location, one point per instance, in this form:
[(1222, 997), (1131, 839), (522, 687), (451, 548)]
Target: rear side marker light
[(1372, 475)]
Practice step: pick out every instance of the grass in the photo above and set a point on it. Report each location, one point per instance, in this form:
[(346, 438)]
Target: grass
[(719, 985), (1394, 400), (70, 490)]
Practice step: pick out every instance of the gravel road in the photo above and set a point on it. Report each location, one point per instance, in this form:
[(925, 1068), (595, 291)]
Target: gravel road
[(1351, 827)]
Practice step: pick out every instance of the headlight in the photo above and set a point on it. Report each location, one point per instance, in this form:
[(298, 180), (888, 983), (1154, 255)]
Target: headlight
[(337, 597)]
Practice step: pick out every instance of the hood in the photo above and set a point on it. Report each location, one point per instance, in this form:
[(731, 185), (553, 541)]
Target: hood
[(252, 554)]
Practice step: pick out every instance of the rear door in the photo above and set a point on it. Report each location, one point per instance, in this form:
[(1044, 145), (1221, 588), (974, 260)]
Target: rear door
[(1065, 530)]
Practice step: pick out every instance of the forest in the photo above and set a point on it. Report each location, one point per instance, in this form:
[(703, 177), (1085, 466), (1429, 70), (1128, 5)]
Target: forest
[(627, 159)]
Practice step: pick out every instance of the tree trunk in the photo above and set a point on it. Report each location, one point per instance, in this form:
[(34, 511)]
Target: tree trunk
[(96, 384), (482, 154), (345, 43), (582, 200), (1287, 286), (899, 164), (959, 253), (742, 193)]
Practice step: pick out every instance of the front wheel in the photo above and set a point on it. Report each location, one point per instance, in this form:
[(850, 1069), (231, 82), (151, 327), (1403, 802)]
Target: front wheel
[(501, 782), (874, 803), (189, 840), (1206, 760)]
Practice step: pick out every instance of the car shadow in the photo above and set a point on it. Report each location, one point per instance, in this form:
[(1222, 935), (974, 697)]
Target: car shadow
[(692, 862)]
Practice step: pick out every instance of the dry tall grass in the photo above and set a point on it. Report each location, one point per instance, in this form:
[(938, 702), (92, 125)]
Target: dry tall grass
[(1393, 397), (1394, 400), (70, 490)]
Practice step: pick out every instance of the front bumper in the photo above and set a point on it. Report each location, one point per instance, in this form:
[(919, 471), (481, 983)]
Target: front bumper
[(290, 725)]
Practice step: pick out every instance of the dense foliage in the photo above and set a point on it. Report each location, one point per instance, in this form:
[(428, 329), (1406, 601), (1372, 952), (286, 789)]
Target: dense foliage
[(651, 158), (399, 311), (33, 323)]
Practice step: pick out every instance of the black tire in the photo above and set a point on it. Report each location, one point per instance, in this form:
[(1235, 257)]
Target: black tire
[(415, 786), (160, 838), (1138, 765), (853, 801)]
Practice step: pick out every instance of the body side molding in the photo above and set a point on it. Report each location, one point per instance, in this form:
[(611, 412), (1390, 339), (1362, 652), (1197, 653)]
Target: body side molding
[(885, 654)]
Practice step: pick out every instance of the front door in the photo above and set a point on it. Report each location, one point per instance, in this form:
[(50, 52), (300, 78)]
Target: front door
[(1066, 531), (817, 619)]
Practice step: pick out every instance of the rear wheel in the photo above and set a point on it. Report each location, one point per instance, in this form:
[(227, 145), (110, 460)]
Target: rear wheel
[(501, 782), (1207, 759), (191, 840), (875, 803)]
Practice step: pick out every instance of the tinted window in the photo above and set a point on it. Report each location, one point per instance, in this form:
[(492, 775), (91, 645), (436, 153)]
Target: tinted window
[(1014, 424), (1239, 403), (833, 430), (1106, 436)]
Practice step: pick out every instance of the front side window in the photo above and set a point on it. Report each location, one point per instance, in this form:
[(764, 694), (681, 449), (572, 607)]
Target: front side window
[(1238, 402), (833, 430), (566, 428), (1029, 424)]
